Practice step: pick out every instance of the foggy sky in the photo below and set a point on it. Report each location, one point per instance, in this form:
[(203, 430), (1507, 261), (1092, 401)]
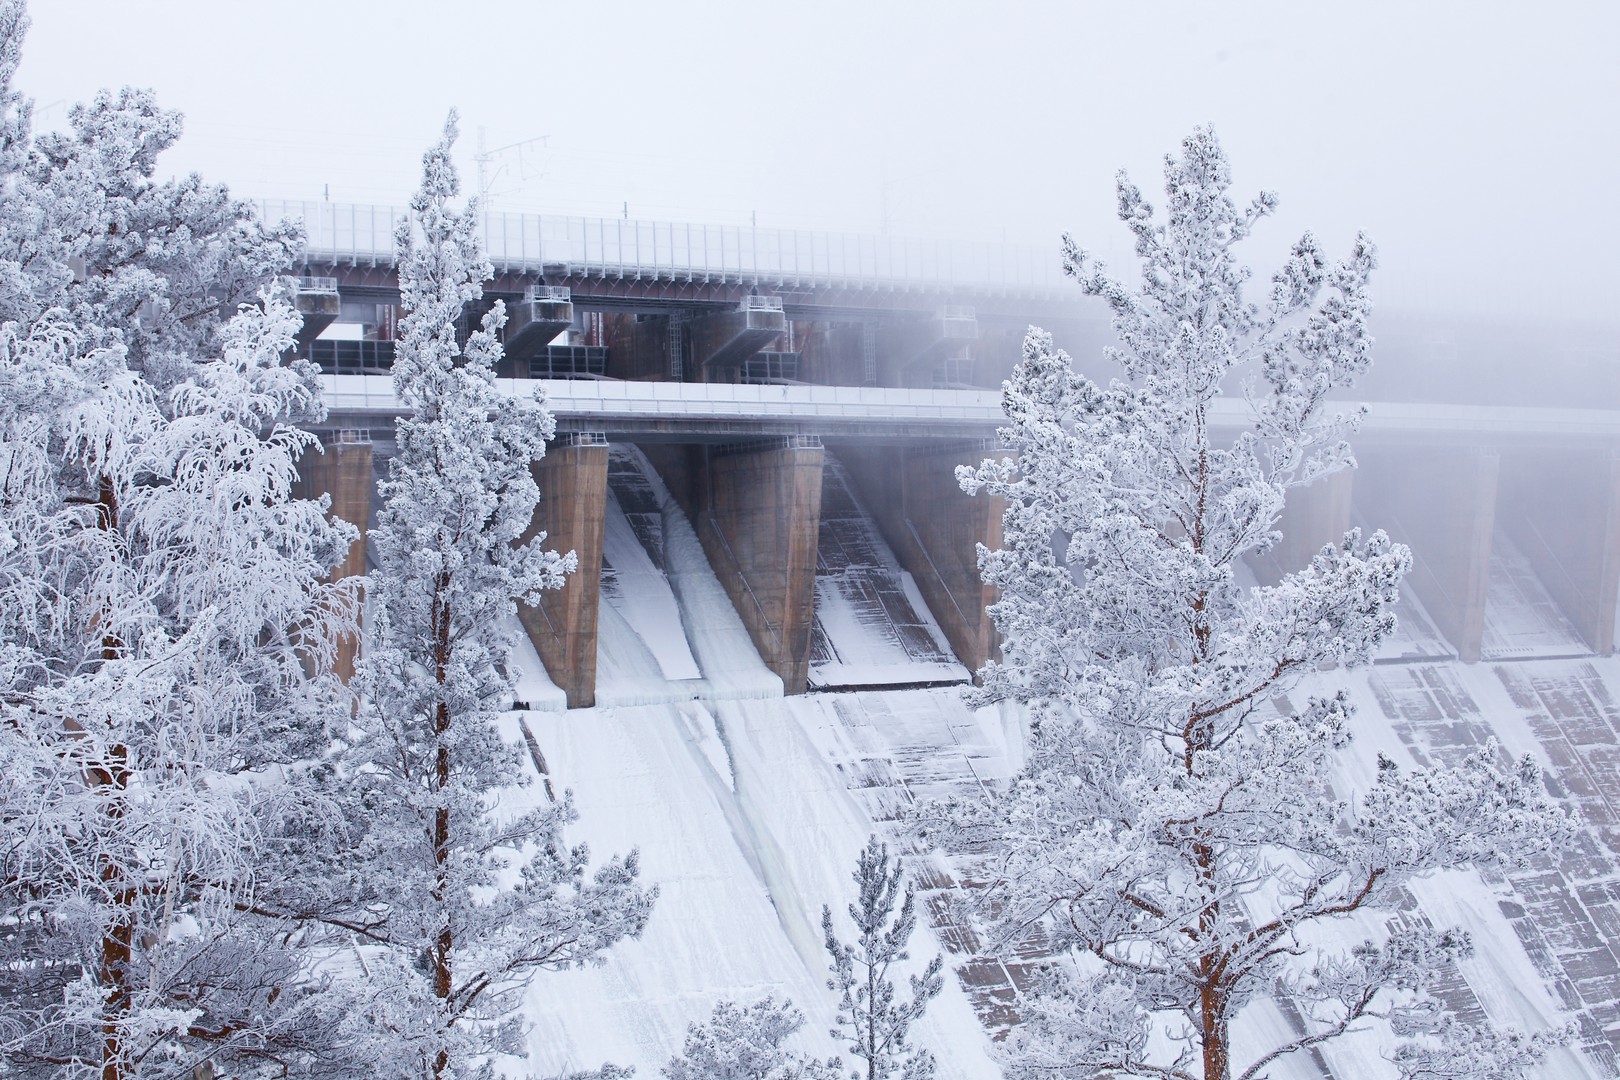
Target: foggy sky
[(1476, 142)]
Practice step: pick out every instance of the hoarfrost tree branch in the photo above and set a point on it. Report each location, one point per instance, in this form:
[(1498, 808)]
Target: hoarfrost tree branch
[(1174, 828), (475, 900), (747, 1043), (870, 1015), (164, 607)]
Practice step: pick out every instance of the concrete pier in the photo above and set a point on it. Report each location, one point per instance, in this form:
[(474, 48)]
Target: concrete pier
[(1562, 508), (934, 529), (342, 469), (909, 351), (318, 301), (1441, 502), (721, 342), (531, 323), (757, 511), (573, 499)]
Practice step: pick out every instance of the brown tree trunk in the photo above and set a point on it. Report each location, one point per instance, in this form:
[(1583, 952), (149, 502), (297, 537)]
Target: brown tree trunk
[(444, 943), (1213, 1030), (118, 938), (1212, 1019)]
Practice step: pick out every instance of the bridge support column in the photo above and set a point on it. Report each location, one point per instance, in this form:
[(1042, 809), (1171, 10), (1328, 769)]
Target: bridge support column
[(1562, 509), (342, 469), (723, 341), (573, 500), (318, 301), (1313, 516), (758, 515), (531, 324), (934, 529), (1443, 504)]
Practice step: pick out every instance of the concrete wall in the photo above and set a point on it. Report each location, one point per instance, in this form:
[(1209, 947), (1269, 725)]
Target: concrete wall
[(1562, 508), (830, 353), (638, 348), (757, 512), (934, 529), (721, 341), (573, 500), (1441, 502), (342, 470)]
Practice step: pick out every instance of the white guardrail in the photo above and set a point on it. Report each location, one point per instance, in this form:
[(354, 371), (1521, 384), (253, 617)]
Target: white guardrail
[(357, 233), (978, 409), (703, 401)]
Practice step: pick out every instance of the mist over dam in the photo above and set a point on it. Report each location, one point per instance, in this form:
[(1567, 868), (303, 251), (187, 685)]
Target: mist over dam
[(777, 606)]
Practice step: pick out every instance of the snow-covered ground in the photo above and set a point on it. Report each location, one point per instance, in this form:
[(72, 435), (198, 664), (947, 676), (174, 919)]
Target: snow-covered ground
[(872, 627), (745, 821), (749, 808)]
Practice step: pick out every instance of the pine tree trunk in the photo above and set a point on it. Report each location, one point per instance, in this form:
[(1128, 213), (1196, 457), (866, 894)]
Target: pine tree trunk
[(1212, 1019), (1213, 1033), (871, 1019), (118, 939), (445, 941)]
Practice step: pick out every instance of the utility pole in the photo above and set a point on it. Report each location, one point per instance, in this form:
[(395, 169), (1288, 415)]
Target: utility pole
[(484, 157)]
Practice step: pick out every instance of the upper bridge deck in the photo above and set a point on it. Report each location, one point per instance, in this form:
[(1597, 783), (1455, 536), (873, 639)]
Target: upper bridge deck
[(665, 411), (649, 261)]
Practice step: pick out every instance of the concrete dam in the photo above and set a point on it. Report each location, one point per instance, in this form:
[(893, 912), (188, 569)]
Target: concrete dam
[(759, 661)]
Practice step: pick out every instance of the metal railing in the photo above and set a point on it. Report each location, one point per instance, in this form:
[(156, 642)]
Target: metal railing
[(548, 294), (360, 234), (569, 362), (340, 356)]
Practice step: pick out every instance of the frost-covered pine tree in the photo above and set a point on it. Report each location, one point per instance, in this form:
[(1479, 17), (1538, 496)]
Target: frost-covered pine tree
[(870, 1015), (164, 608), (1175, 830), (746, 1043), (475, 900)]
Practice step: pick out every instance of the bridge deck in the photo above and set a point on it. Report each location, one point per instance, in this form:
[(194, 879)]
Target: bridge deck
[(359, 234), (671, 410)]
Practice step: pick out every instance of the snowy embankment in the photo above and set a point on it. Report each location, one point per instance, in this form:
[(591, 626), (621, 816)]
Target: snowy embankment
[(749, 810), (743, 822)]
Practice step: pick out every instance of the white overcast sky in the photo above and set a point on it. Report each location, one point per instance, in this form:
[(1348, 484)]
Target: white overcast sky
[(1479, 143)]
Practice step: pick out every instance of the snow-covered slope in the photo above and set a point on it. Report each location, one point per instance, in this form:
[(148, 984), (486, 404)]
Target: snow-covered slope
[(872, 627), (749, 808), (744, 822)]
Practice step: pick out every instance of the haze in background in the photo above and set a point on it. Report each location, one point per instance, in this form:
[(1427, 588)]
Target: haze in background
[(1476, 142)]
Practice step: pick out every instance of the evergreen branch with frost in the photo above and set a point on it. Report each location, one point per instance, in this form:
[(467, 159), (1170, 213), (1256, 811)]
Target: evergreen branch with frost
[(746, 1043), (1451, 1050), (870, 1015), (163, 666), (606, 1072), (472, 901), (1174, 824)]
